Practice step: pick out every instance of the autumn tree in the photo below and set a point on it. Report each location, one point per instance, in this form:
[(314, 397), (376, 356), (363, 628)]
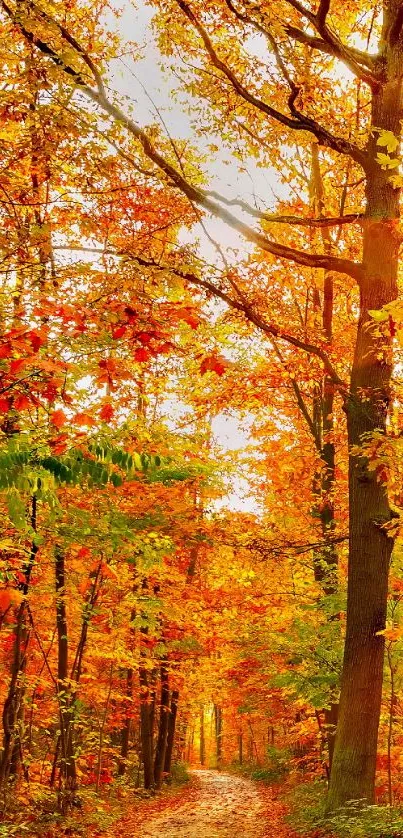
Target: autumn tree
[(277, 106)]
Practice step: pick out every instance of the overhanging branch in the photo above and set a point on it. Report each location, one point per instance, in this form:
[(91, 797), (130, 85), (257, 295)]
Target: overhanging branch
[(298, 122), (247, 309), (193, 193)]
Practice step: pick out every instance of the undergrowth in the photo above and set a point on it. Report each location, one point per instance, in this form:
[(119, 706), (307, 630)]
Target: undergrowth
[(355, 820), (274, 770)]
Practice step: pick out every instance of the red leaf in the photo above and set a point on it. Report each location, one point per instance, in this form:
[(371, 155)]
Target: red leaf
[(58, 418), (118, 332), (141, 354), (5, 405), (16, 364), (22, 402), (188, 316), (5, 600), (163, 348), (36, 340), (59, 443), (214, 363), (106, 413), (392, 327), (144, 337)]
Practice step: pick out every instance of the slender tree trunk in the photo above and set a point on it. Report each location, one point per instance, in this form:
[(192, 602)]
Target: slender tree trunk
[(218, 733), (202, 737), (68, 696), (147, 713), (146, 728), (127, 724), (353, 773), (393, 704), (325, 559), (102, 729), (171, 731), (161, 746), (126, 729), (12, 710), (68, 775)]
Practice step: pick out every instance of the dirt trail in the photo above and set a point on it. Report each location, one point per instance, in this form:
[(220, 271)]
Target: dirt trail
[(225, 807)]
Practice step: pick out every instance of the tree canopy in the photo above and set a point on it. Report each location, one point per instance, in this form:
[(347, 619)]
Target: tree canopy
[(167, 595)]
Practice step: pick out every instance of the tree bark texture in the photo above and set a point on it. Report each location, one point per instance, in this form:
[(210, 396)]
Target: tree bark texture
[(353, 772)]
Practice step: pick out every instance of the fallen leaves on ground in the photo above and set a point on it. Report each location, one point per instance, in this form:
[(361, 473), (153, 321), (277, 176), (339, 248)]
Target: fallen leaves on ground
[(214, 806), (275, 812)]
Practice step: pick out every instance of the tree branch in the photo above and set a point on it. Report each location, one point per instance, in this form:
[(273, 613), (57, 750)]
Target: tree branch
[(299, 123), (300, 401), (362, 64), (246, 308), (298, 220), (193, 193), (322, 13)]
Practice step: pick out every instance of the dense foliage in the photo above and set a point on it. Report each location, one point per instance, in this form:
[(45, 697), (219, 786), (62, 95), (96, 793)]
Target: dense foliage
[(147, 618)]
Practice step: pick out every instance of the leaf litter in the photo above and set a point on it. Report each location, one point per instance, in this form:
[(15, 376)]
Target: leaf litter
[(220, 806)]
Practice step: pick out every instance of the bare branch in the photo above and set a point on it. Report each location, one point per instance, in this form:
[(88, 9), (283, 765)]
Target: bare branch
[(267, 34)]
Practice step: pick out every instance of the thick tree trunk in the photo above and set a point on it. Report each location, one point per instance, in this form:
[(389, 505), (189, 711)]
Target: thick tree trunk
[(353, 774)]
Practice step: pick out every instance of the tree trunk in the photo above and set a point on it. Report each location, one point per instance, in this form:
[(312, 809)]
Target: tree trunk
[(161, 747), (171, 731), (68, 775), (202, 737), (126, 729), (325, 558), (353, 774), (146, 728), (13, 705), (127, 724), (218, 733)]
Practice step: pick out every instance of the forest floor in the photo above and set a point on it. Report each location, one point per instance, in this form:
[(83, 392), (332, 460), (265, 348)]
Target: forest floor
[(214, 806)]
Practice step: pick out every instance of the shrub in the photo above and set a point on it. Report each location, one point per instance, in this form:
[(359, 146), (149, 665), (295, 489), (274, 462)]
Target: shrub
[(179, 774), (360, 821), (355, 820)]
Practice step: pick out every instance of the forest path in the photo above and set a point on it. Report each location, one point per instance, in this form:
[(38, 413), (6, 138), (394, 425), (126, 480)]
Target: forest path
[(225, 806)]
